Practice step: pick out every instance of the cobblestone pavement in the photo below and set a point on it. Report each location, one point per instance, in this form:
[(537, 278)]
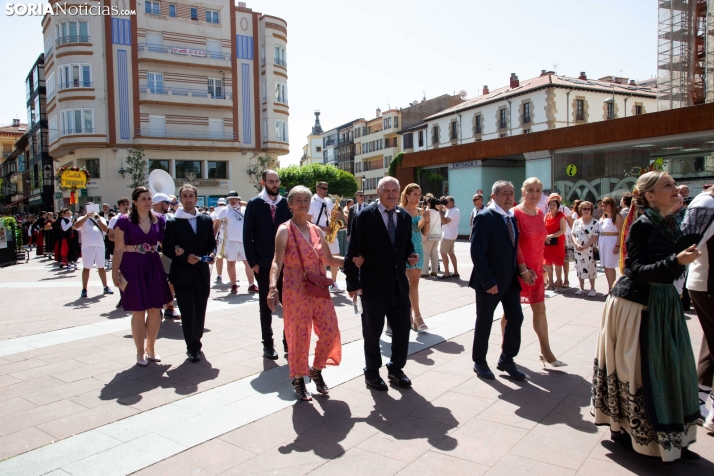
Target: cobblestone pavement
[(73, 402)]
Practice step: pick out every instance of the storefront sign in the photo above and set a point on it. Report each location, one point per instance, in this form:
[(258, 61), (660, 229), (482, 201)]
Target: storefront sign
[(58, 195), (465, 165), (199, 183), (188, 52), (571, 170), (72, 179)]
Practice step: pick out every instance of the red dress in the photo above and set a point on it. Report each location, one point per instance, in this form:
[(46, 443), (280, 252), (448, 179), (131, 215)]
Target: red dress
[(531, 241), (555, 255)]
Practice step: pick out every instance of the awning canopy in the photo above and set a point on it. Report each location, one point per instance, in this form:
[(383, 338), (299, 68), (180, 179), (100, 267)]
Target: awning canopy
[(17, 201)]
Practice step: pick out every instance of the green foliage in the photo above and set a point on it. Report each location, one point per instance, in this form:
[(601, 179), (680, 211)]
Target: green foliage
[(341, 183), (138, 168), (11, 225), (396, 162), (258, 165)]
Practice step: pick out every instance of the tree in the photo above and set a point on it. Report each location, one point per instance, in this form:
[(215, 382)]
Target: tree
[(341, 183), (137, 167), (258, 165)]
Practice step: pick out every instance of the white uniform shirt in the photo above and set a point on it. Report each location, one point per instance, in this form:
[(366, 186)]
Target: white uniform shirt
[(92, 235), (316, 206), (236, 219), (450, 231), (698, 275)]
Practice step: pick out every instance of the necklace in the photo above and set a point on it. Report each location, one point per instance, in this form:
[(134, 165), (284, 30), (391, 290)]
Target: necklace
[(525, 209)]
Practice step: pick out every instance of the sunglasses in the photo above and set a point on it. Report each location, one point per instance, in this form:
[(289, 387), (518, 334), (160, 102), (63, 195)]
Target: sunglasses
[(174, 203), (322, 188)]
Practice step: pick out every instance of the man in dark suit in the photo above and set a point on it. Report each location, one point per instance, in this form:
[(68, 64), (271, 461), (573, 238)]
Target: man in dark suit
[(382, 235), (494, 247), (263, 215), (354, 210), (189, 237)]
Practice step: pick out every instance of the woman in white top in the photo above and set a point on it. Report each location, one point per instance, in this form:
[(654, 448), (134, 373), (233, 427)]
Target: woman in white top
[(431, 244), (609, 239)]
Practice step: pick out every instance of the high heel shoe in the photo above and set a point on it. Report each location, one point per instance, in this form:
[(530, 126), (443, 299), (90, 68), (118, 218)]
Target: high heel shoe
[(153, 358), (300, 390), (418, 324), (141, 360), (555, 363), (316, 376)]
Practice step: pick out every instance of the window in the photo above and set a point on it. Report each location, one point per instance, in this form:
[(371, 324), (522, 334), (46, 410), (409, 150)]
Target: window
[(281, 93), (216, 128), (50, 86), (388, 123), (172, 10), (74, 76), (421, 138), (155, 83), (152, 8), (318, 149), (159, 165), (435, 135), (579, 109), (215, 88), (454, 131), (358, 167), (52, 126), (408, 141), (265, 130), (610, 110), (527, 112), (526, 131), (77, 121), (217, 170), (387, 160), (638, 110), (478, 126), (184, 167), (48, 45), (503, 118), (281, 131), (194, 13), (74, 31), (93, 168), (157, 126), (396, 122), (212, 17), (280, 58)]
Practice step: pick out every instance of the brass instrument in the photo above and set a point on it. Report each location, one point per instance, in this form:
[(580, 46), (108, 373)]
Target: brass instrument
[(336, 221)]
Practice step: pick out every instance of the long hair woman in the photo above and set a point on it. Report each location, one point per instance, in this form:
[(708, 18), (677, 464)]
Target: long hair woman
[(644, 381), (554, 253), (420, 224), (137, 261), (609, 239), (531, 246)]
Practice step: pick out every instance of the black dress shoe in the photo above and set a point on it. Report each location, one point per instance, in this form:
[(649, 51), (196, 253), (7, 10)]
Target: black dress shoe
[(193, 357), (512, 370), (376, 383), (400, 379), (269, 353), (483, 371)]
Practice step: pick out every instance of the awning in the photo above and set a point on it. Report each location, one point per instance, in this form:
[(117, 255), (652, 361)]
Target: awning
[(17, 201)]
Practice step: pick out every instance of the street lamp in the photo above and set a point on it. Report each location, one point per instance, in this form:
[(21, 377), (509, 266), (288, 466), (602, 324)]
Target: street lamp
[(363, 179)]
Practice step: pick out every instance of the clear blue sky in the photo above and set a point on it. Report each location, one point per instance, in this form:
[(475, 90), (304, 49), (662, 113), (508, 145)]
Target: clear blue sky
[(348, 58)]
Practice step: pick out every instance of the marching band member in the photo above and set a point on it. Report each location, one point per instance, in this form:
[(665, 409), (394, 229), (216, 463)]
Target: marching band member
[(230, 221)]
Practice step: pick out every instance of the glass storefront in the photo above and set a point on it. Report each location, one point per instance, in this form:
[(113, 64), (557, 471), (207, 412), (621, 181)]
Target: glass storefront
[(612, 170)]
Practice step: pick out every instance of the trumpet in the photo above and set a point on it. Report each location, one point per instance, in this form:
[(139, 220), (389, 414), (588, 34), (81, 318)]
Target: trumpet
[(222, 237), (335, 226)]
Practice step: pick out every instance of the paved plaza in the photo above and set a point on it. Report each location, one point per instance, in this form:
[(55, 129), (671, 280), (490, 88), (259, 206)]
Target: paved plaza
[(72, 401)]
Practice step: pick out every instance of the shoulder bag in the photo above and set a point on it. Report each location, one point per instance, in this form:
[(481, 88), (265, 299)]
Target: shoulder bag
[(316, 285)]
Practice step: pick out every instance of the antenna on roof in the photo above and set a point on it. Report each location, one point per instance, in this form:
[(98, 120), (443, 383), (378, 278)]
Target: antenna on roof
[(555, 68)]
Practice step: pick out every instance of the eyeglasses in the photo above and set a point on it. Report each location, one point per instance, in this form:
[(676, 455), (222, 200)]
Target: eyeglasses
[(322, 188)]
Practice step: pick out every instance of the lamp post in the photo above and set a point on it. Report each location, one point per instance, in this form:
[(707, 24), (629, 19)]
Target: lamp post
[(363, 179)]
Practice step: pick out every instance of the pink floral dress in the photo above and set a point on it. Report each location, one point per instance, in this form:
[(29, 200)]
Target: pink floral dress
[(301, 312)]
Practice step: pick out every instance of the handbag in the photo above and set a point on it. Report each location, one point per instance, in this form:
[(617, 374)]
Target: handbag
[(316, 285), (123, 283), (551, 241)]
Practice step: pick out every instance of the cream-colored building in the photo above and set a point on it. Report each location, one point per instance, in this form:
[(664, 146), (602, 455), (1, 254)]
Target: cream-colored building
[(376, 143), (201, 86)]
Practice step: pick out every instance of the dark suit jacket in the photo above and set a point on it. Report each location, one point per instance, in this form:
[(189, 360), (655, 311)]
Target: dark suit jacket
[(259, 230), (351, 216), (384, 264), (493, 255), (202, 243)]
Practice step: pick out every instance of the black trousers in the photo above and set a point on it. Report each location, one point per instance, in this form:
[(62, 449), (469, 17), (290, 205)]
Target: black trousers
[(266, 315), (485, 306), (192, 301), (704, 305), (396, 309)]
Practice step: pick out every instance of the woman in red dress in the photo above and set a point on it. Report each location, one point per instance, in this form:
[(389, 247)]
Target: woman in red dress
[(554, 254), (531, 243)]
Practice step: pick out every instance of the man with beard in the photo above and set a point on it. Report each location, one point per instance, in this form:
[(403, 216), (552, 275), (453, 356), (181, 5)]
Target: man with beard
[(263, 215)]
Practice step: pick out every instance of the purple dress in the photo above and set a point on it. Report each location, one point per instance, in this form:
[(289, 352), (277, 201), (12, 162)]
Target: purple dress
[(148, 287)]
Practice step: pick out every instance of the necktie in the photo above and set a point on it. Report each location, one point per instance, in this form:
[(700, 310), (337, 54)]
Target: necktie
[(391, 229), (510, 231), (273, 209)]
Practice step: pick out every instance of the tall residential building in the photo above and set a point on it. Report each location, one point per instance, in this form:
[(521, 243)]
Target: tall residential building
[(15, 180), (201, 86)]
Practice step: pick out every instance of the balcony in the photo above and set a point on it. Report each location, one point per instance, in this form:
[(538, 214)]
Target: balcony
[(75, 84), (65, 40), (280, 62), (51, 95), (48, 53), (281, 100), (526, 118), (76, 131), (148, 50), (184, 134), (185, 92)]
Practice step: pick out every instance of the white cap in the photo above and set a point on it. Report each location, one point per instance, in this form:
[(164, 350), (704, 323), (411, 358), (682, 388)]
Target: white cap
[(221, 201), (159, 197)]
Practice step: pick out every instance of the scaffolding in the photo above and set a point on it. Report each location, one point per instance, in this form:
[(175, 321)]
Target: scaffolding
[(685, 53)]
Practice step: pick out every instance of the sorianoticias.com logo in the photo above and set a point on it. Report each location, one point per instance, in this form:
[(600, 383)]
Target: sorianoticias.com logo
[(42, 9)]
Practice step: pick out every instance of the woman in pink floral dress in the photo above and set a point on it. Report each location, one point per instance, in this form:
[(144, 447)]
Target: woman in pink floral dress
[(302, 312)]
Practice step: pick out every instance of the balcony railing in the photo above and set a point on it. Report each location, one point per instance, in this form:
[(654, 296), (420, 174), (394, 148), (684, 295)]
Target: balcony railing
[(182, 51), (185, 92), (76, 130), (281, 100), (49, 52), (64, 40), (184, 134), (527, 118), (75, 84), (329, 142), (580, 116), (503, 125), (282, 63), (51, 95), (477, 129)]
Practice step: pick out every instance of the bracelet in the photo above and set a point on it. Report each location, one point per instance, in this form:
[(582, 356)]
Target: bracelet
[(526, 271)]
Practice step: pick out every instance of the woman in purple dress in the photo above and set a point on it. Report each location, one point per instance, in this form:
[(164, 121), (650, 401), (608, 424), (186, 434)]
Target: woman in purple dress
[(135, 258)]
